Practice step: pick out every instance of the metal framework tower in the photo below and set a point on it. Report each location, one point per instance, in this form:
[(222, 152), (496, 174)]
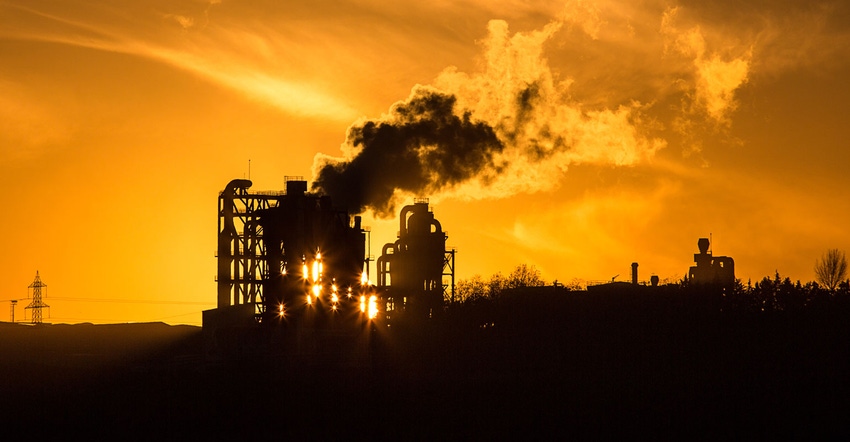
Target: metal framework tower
[(241, 249), (264, 239), (14, 302), (37, 304), (449, 275)]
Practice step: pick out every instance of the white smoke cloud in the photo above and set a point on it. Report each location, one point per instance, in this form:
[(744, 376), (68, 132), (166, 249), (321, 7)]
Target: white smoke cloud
[(715, 77), (544, 129)]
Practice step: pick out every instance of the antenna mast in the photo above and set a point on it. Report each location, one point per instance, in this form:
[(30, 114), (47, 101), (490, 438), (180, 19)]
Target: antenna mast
[(37, 304)]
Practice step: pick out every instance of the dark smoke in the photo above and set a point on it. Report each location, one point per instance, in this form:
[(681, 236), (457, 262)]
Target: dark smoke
[(422, 146)]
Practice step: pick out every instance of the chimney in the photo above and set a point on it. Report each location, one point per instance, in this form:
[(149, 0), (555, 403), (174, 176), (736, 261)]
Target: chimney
[(634, 273)]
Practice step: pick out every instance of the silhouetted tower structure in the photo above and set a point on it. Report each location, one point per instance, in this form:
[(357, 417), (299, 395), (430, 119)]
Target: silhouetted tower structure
[(709, 269), (267, 242), (37, 303), (14, 302), (416, 273)]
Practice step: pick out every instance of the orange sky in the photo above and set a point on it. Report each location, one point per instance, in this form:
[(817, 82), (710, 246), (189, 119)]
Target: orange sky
[(121, 121)]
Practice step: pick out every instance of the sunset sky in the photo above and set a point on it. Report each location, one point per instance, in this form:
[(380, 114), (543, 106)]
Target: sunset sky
[(646, 125)]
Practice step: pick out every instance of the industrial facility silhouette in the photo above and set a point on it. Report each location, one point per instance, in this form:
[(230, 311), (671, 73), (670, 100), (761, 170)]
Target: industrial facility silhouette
[(302, 346), (294, 265)]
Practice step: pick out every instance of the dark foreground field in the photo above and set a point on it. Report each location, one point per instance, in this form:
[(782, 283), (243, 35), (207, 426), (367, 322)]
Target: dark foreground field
[(573, 369)]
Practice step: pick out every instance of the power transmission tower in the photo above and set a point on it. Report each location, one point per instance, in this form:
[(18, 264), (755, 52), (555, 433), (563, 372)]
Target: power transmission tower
[(37, 304), (12, 310)]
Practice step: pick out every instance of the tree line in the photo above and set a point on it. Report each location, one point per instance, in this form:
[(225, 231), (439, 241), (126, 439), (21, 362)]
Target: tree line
[(770, 294)]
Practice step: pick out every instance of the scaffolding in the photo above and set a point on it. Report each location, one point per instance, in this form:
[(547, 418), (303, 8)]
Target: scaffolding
[(241, 250)]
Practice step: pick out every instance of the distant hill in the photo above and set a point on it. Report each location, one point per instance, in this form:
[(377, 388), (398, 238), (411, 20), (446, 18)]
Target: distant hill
[(107, 342)]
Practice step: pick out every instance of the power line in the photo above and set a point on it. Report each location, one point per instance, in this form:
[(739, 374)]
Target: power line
[(130, 301)]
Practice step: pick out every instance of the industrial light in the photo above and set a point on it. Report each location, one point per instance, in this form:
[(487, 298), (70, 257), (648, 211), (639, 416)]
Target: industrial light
[(315, 271), (373, 307)]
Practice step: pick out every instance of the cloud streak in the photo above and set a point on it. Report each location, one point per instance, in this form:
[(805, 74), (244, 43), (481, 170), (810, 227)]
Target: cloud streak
[(238, 60)]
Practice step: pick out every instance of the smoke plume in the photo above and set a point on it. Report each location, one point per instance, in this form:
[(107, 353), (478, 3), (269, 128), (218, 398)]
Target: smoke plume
[(514, 126), (422, 145)]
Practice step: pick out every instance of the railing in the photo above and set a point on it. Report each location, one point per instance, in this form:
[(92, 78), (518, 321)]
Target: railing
[(251, 193)]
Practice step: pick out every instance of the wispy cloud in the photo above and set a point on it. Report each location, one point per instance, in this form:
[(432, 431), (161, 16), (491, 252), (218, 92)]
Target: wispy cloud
[(715, 77), (244, 65), (26, 125)]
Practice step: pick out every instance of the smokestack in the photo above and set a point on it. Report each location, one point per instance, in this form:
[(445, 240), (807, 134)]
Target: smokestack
[(634, 273)]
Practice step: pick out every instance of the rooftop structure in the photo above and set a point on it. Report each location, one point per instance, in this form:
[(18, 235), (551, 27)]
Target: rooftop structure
[(710, 269)]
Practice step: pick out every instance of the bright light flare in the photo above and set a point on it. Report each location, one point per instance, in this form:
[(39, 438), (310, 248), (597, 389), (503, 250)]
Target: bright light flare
[(364, 279), (373, 307), (363, 303), (315, 271), (317, 290), (309, 299), (281, 310)]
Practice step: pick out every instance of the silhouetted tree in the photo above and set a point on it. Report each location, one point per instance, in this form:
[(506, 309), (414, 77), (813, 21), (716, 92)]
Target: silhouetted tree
[(831, 269), (496, 284), (477, 289), (576, 284), (472, 289), (525, 276)]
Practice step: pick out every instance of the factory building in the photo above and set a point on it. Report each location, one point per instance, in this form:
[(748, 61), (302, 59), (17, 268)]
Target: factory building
[(710, 269), (291, 260), (416, 272), (282, 253)]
